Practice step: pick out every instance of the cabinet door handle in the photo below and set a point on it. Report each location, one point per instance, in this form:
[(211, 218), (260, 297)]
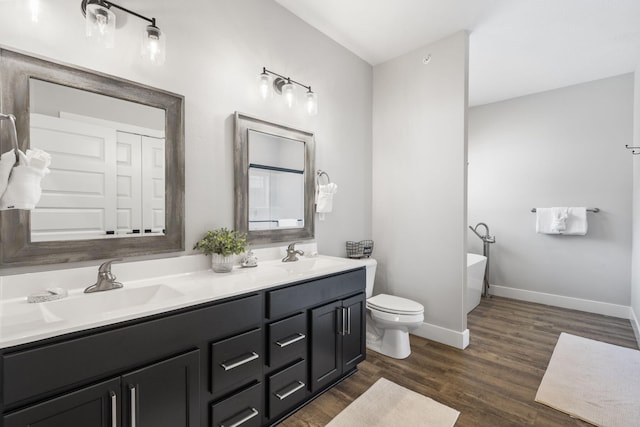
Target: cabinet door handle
[(114, 409), (296, 386), (290, 341), (234, 364), (252, 413), (348, 320), (132, 401), (344, 321)]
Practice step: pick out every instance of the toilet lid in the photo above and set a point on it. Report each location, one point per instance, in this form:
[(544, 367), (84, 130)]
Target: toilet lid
[(393, 304)]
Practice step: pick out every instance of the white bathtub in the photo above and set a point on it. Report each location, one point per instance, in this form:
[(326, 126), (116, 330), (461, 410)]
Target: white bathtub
[(476, 265)]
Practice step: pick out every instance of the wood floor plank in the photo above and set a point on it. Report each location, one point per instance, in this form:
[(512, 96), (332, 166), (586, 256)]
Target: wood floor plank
[(494, 381)]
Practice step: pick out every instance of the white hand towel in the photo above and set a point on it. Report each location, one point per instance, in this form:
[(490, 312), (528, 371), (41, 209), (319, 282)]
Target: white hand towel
[(553, 221), (576, 221), (7, 161), (324, 202), (544, 221), (23, 189), (559, 219), (38, 159)]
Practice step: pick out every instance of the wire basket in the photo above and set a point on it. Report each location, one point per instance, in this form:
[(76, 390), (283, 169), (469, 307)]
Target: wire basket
[(361, 249)]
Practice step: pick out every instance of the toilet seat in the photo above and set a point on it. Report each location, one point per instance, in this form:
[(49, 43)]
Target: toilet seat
[(394, 305)]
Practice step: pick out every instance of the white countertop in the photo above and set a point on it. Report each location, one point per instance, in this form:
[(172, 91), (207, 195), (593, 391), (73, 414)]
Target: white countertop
[(22, 322)]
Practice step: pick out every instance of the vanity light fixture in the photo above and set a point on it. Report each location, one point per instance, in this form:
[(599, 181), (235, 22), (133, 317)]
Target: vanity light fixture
[(285, 86), (101, 24)]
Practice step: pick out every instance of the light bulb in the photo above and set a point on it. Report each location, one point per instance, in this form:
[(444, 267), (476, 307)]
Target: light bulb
[(153, 45), (312, 102), (265, 84), (287, 92), (100, 24)]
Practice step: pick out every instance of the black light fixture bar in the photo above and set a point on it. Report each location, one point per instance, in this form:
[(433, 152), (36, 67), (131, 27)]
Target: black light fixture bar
[(124, 9), (288, 79)]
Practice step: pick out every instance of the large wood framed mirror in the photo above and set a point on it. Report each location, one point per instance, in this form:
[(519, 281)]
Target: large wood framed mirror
[(274, 181), (116, 186)]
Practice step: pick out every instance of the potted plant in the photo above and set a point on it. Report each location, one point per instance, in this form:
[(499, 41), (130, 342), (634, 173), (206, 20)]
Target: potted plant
[(222, 244)]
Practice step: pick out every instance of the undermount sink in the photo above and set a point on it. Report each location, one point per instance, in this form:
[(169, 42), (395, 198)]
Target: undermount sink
[(19, 316), (108, 302), (306, 265)]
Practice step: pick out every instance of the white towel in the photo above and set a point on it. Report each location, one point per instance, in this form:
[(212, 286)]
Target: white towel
[(324, 197), (561, 220), (7, 161), (545, 221), (23, 189), (576, 222)]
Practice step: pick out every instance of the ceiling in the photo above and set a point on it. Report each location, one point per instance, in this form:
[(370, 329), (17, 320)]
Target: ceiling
[(517, 47)]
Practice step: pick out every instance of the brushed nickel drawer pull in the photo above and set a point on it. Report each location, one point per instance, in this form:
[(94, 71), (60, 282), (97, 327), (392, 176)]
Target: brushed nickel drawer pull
[(295, 339), (340, 311), (134, 416), (348, 320), (252, 413), (298, 385), (114, 409), (252, 356)]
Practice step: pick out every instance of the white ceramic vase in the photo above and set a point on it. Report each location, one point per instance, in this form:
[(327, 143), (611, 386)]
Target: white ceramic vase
[(221, 263)]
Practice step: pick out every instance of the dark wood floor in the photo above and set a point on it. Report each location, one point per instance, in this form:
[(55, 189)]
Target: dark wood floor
[(494, 381)]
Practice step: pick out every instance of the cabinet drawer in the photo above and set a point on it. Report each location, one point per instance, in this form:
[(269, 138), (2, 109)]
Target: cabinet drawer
[(287, 340), (287, 388), (29, 373), (243, 409), (289, 300), (236, 361)]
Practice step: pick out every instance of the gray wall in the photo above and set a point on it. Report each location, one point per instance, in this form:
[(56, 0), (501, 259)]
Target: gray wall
[(559, 148), (635, 261), (419, 183), (215, 51)]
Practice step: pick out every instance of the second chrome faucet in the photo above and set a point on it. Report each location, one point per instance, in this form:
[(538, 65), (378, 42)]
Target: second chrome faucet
[(292, 253), (106, 279)]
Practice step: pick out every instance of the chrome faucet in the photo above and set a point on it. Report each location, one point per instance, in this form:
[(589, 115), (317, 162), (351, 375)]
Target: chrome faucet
[(292, 253), (106, 279)]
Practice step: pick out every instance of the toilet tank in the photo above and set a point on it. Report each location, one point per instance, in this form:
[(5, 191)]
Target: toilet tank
[(370, 265)]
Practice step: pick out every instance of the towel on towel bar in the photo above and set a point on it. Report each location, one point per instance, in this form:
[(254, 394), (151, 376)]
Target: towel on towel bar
[(562, 220), (23, 188)]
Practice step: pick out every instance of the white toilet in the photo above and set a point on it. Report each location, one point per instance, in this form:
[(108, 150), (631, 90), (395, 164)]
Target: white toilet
[(389, 319)]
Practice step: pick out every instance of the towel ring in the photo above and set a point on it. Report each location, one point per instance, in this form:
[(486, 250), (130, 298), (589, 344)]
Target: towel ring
[(14, 133), (320, 174)]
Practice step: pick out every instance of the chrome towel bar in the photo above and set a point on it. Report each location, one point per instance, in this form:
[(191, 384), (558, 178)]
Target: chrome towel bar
[(594, 210)]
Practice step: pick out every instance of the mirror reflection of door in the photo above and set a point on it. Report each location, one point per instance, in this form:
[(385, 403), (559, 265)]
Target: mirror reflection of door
[(107, 173), (276, 182)]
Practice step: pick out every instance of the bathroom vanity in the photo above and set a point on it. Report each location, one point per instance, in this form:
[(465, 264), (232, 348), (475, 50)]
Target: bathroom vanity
[(243, 349)]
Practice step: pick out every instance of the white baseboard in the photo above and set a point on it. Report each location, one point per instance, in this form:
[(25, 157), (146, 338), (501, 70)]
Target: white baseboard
[(635, 325), (604, 308), (443, 335)]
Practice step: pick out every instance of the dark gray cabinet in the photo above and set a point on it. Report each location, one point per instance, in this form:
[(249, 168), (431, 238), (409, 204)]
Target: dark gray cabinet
[(164, 394), (337, 339), (247, 361), (94, 406)]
